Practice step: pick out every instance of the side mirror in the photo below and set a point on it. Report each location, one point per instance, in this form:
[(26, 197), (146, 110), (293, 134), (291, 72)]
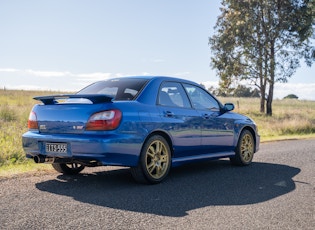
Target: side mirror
[(228, 107)]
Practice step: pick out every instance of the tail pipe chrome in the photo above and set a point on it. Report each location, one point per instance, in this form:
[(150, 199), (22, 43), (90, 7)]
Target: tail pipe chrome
[(44, 159)]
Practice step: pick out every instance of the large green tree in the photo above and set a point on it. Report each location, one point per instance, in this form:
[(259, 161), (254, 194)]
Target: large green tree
[(262, 42)]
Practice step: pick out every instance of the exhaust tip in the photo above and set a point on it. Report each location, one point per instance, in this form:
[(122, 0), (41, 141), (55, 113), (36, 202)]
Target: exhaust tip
[(43, 159), (38, 159)]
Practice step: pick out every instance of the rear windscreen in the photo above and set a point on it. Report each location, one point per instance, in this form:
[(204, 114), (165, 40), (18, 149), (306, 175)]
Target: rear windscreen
[(120, 89)]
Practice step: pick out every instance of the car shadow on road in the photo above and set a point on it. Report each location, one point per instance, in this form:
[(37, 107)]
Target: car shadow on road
[(187, 187)]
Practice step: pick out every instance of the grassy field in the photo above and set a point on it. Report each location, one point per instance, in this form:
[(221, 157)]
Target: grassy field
[(15, 107), (291, 119)]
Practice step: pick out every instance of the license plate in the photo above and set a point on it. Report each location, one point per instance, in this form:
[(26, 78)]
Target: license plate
[(56, 148)]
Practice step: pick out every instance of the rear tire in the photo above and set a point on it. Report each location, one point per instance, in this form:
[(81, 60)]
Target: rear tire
[(245, 149), (68, 169), (155, 161)]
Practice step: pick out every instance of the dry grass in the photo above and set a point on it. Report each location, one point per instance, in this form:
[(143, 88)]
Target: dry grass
[(292, 118), (15, 106)]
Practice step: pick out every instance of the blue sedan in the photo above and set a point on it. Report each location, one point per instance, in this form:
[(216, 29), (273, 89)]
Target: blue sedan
[(149, 124)]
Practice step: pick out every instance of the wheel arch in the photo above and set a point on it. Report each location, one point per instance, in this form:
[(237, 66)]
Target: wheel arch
[(252, 131), (165, 135)]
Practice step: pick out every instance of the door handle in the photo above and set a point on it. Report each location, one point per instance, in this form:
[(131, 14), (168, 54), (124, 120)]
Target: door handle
[(168, 114), (205, 116), (208, 116)]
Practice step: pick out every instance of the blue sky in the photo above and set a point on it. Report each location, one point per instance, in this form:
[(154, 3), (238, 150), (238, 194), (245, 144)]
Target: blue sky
[(67, 44)]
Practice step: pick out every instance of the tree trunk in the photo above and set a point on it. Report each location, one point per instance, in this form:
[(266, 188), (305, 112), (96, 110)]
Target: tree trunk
[(269, 100), (272, 78), (262, 84), (262, 98)]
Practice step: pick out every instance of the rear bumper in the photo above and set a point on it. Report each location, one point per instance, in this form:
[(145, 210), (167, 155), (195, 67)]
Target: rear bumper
[(121, 150)]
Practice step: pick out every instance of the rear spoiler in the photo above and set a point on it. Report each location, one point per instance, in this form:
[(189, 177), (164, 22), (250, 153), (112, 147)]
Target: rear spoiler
[(55, 99)]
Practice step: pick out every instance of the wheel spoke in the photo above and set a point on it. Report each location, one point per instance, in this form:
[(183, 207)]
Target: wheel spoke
[(246, 155), (73, 165), (151, 167), (151, 151), (151, 164), (159, 171), (158, 147), (150, 155)]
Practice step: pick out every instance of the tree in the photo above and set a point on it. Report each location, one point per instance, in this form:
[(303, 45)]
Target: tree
[(291, 96), (262, 41), (239, 91), (243, 91)]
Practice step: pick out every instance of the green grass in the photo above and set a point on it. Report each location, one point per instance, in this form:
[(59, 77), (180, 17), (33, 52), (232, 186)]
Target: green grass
[(15, 106), (292, 119)]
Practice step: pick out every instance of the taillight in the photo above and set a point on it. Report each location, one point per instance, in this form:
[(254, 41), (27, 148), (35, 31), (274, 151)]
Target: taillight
[(105, 120), (32, 121)]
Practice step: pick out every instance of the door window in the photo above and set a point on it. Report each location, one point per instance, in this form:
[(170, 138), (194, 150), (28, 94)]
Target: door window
[(200, 98), (173, 94)]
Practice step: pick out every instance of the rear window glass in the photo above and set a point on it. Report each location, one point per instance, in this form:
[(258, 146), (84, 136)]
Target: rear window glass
[(120, 89)]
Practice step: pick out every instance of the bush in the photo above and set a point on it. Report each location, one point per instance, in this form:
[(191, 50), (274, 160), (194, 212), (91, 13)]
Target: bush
[(291, 96)]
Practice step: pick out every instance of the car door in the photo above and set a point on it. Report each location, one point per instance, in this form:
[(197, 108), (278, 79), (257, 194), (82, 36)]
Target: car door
[(179, 119), (217, 128)]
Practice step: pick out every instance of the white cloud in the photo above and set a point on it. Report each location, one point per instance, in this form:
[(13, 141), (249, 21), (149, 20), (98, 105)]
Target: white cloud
[(98, 76), (10, 70), (182, 74), (143, 74), (28, 87), (208, 84), (47, 73), (303, 91)]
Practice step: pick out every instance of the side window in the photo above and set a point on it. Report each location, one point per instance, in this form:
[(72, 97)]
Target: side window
[(200, 98), (172, 94)]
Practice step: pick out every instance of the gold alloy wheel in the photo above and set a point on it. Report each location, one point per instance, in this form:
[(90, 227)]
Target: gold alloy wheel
[(247, 148), (68, 168), (157, 159), (74, 165)]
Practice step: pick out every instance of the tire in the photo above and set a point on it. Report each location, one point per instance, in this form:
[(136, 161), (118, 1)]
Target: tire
[(68, 169), (245, 149), (155, 161)]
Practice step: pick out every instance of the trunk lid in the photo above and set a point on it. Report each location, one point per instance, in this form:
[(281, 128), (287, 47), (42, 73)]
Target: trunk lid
[(68, 114)]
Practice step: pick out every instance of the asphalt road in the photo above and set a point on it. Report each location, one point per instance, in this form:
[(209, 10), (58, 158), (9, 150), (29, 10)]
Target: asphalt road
[(276, 192)]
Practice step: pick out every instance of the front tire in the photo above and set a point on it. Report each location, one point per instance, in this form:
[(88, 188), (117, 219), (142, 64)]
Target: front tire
[(155, 161), (68, 169), (245, 149)]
